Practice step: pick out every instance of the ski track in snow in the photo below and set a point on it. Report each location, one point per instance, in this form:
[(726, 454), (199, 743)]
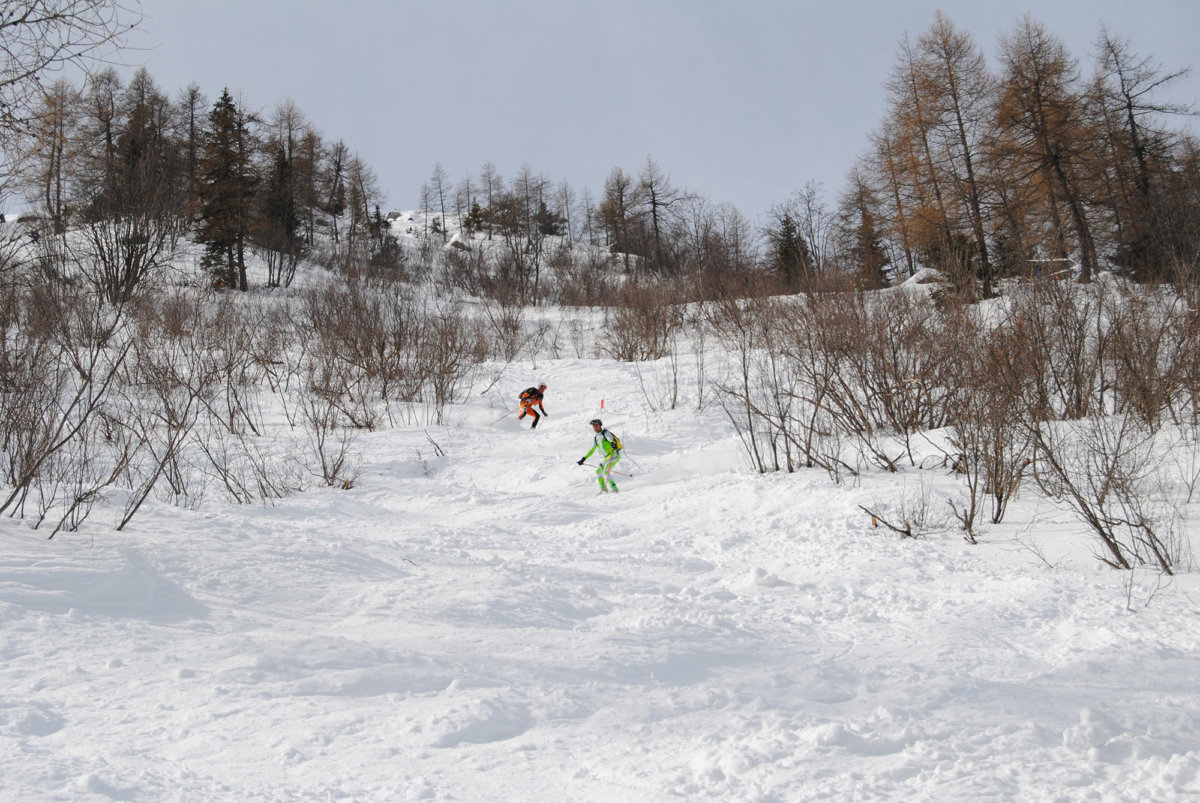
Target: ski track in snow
[(484, 625)]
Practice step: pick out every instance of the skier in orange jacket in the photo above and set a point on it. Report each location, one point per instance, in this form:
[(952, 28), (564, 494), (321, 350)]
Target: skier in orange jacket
[(530, 398)]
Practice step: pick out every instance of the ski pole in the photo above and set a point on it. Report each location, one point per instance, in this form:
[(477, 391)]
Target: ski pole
[(593, 465), (501, 418)]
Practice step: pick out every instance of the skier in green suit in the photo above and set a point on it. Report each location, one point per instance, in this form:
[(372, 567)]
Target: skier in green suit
[(610, 450)]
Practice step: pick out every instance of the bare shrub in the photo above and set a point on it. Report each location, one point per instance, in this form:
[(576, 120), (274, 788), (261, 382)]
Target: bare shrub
[(31, 382), (333, 397), (505, 329), (660, 383), (831, 342), (1186, 401), (893, 376), (330, 440), (911, 513), (738, 329), (1057, 322), (503, 281), (1184, 456), (450, 349), (190, 408), (129, 234), (785, 393), (229, 336), (701, 329), (357, 354), (342, 385), (248, 469), (1109, 471), (762, 393), (81, 345), (281, 262), (643, 324), (279, 350), (466, 269), (170, 382), (76, 478), (63, 478), (666, 382), (988, 432), (373, 347), (1146, 355), (586, 281)]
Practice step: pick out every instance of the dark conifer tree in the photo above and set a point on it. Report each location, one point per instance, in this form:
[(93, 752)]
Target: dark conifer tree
[(279, 221), (790, 257), (227, 184)]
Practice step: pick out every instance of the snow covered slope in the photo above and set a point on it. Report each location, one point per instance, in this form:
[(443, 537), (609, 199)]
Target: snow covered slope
[(473, 621)]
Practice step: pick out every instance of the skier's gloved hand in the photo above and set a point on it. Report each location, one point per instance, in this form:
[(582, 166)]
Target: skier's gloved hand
[(580, 463)]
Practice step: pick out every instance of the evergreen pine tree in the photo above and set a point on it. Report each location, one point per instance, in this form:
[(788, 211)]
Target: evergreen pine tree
[(869, 253), (227, 182), (473, 222), (791, 258), (279, 221)]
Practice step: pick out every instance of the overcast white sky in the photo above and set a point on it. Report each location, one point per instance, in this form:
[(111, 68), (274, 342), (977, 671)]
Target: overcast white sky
[(742, 101)]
